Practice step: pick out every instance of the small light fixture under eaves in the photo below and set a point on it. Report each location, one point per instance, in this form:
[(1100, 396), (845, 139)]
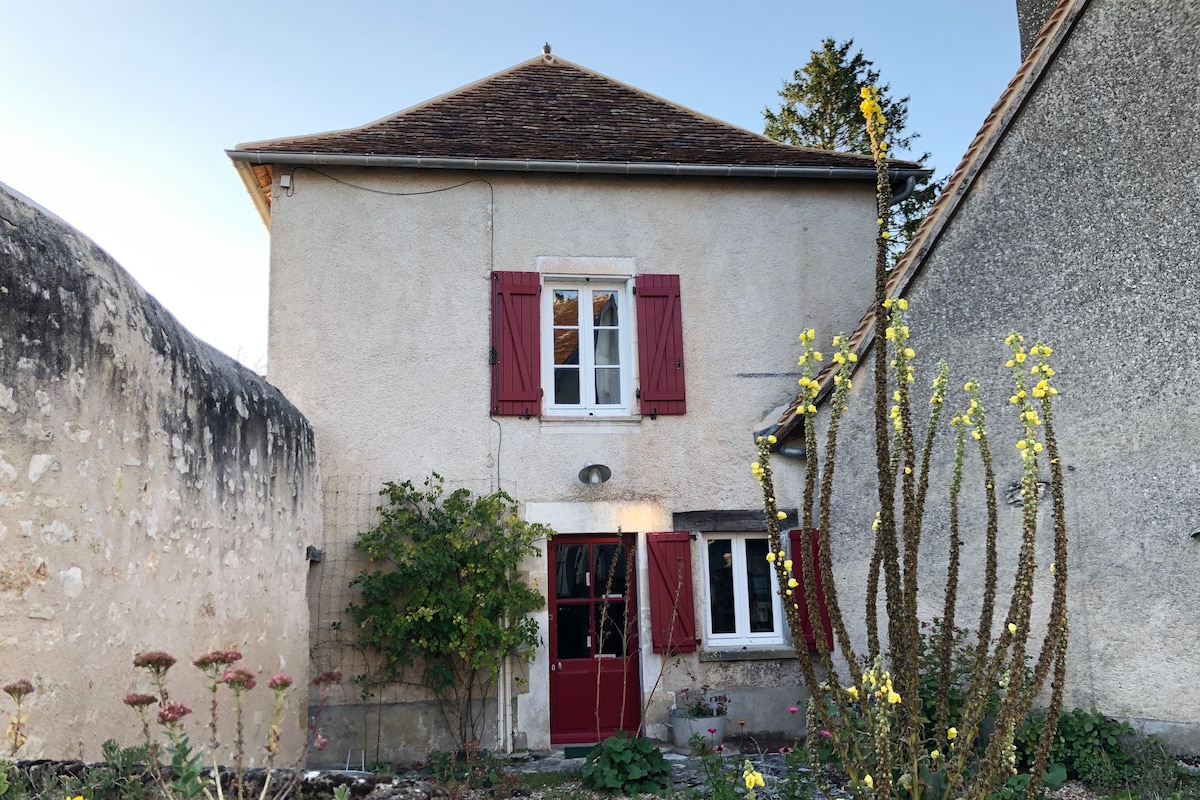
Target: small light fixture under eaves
[(594, 474)]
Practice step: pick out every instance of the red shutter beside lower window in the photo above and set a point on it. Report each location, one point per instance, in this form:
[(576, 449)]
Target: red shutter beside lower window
[(672, 603), (516, 339), (660, 344), (796, 538)]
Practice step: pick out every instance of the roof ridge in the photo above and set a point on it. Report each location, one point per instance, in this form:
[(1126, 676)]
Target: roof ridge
[(659, 130), (1029, 73)]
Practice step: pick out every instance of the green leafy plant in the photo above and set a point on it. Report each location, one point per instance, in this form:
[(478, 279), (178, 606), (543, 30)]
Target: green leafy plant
[(1015, 785), (447, 601), (626, 765), (1090, 746), (121, 774), (471, 768)]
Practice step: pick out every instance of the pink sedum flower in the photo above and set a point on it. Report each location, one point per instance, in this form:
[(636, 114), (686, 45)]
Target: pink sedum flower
[(171, 713), (280, 682)]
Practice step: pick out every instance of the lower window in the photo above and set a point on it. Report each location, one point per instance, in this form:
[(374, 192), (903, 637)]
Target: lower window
[(741, 601)]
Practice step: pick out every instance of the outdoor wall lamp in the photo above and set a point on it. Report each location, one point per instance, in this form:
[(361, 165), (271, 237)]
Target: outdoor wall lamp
[(594, 474)]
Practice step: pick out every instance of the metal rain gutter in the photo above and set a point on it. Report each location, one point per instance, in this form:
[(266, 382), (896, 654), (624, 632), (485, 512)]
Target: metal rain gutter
[(910, 176)]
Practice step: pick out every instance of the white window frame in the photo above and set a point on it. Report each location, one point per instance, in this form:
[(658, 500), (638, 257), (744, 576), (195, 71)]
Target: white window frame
[(585, 285), (742, 637)]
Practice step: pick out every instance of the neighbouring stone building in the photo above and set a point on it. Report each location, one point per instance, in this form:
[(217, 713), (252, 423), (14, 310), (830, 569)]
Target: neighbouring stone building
[(1072, 220), (154, 495)]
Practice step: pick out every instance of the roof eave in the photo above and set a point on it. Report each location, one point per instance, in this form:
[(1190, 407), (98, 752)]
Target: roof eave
[(250, 181), (245, 157)]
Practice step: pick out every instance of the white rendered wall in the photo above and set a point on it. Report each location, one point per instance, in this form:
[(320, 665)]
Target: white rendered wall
[(380, 319)]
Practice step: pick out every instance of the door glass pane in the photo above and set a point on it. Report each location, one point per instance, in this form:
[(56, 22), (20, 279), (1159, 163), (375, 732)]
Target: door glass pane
[(720, 585), (572, 625), (608, 385), (610, 621), (604, 308), (610, 557), (570, 570), (566, 386), (606, 347), (758, 586)]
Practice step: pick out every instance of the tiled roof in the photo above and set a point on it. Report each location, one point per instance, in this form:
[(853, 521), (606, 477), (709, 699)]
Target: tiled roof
[(1054, 32), (550, 110)]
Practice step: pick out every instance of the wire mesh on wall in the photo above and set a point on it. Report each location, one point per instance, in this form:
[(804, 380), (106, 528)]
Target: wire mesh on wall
[(351, 507)]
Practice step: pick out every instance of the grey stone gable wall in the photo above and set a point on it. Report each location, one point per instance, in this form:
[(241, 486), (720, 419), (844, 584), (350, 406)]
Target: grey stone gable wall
[(154, 494)]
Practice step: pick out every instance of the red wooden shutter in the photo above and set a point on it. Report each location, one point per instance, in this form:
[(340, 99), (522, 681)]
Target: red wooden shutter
[(672, 618), (796, 537), (660, 344), (516, 344)]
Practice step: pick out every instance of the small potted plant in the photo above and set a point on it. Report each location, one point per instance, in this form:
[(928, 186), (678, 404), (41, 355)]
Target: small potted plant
[(698, 712)]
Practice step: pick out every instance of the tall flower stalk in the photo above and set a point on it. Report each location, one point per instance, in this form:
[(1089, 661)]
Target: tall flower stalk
[(15, 733), (884, 744)]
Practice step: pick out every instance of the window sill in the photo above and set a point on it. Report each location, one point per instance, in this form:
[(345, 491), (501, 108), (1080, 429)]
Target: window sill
[(747, 653), (590, 424)]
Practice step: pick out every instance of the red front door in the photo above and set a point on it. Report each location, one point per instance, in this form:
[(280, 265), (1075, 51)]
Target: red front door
[(594, 688)]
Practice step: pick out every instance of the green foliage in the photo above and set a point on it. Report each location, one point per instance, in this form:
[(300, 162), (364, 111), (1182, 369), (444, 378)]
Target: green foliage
[(446, 600), (820, 105), (962, 666), (626, 765), (820, 108), (719, 783), (963, 653), (1088, 744), (473, 768), (187, 768), (5, 767), (1157, 774), (122, 770), (1014, 787)]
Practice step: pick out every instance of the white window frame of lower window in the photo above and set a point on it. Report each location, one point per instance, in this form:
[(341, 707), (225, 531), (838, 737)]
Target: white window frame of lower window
[(742, 637), (586, 285)]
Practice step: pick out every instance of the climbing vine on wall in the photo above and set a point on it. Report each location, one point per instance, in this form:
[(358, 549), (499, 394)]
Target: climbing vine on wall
[(442, 600)]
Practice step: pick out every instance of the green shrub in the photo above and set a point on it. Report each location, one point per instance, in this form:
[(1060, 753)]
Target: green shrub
[(1014, 787), (442, 594), (1088, 744), (626, 765)]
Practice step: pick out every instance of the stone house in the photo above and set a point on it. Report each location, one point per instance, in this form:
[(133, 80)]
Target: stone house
[(555, 284), (1071, 220)]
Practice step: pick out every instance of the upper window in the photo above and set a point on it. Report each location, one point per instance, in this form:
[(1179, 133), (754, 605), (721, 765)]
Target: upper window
[(742, 604), (562, 342), (587, 347)]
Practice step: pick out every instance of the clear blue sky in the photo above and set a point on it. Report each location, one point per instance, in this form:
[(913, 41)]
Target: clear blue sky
[(114, 114)]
